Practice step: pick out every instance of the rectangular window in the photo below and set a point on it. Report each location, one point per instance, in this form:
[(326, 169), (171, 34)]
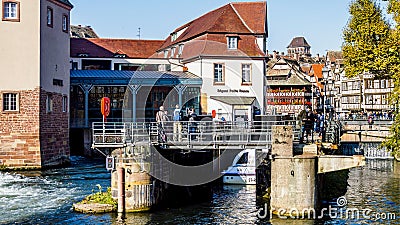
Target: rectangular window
[(344, 86), (180, 49), (65, 104), (350, 85), (384, 100), (58, 82), (172, 52), (49, 17), (376, 84), (370, 84), (10, 102), (383, 84), (65, 23), (49, 104), (218, 73), (165, 53), (232, 42), (246, 73), (11, 11), (74, 65)]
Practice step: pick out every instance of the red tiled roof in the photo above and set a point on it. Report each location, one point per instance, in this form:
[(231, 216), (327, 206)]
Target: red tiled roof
[(215, 45), (249, 11), (107, 48), (317, 70), (237, 18), (335, 55)]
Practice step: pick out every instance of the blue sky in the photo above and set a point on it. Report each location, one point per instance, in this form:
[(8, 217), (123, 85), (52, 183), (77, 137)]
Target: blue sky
[(320, 21)]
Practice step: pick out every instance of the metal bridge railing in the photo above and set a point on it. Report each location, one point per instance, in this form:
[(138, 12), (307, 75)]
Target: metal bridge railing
[(184, 133)]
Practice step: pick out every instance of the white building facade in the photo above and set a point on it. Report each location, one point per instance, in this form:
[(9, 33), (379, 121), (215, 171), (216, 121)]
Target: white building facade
[(226, 48)]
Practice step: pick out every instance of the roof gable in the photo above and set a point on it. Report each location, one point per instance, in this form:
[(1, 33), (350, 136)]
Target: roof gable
[(235, 18), (66, 2)]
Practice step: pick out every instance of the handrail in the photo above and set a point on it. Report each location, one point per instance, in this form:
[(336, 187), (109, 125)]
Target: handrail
[(118, 134)]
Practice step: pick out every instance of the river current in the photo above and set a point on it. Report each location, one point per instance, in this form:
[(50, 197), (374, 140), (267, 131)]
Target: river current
[(46, 197)]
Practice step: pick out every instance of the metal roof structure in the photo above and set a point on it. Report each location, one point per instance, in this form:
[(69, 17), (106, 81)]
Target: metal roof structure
[(118, 77)]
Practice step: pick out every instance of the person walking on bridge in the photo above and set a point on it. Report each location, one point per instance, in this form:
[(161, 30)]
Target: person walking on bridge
[(161, 118), (177, 117)]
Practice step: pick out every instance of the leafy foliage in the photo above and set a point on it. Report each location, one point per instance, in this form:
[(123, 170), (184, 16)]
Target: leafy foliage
[(371, 45), (365, 39), (101, 198), (393, 46)]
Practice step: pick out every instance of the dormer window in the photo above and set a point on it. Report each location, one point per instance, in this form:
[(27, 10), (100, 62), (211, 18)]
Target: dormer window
[(174, 36), (172, 52), (165, 53), (232, 42)]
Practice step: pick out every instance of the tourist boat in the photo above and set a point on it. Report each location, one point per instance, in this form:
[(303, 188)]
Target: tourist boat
[(242, 170)]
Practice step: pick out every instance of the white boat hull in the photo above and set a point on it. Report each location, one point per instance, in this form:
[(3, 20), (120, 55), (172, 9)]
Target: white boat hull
[(243, 169), (239, 179)]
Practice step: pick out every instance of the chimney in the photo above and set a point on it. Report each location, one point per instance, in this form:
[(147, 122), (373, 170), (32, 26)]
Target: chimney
[(275, 56)]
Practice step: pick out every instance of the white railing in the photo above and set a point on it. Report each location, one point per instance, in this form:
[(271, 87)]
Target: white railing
[(184, 133)]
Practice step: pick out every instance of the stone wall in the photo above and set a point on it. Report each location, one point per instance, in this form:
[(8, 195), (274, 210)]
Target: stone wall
[(32, 137), (54, 131), (19, 132)]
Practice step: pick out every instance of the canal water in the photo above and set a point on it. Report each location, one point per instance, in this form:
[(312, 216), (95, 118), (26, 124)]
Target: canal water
[(47, 197)]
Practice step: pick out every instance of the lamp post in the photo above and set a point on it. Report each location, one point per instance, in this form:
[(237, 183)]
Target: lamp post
[(325, 74)]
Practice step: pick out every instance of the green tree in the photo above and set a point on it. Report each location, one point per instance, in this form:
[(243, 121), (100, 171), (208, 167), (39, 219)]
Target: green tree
[(365, 39), (393, 70), (372, 45)]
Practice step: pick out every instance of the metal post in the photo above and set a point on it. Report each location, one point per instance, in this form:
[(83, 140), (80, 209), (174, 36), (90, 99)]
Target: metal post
[(121, 190), (86, 89), (180, 89), (134, 88), (323, 104), (133, 106)]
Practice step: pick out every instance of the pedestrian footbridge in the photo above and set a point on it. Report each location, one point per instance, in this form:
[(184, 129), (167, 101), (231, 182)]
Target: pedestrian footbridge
[(188, 134)]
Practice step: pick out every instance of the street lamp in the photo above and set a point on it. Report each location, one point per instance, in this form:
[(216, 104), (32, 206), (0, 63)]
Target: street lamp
[(325, 74)]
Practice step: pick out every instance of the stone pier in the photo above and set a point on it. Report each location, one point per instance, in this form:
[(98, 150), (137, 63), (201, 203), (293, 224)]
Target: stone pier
[(294, 178), (139, 187)]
